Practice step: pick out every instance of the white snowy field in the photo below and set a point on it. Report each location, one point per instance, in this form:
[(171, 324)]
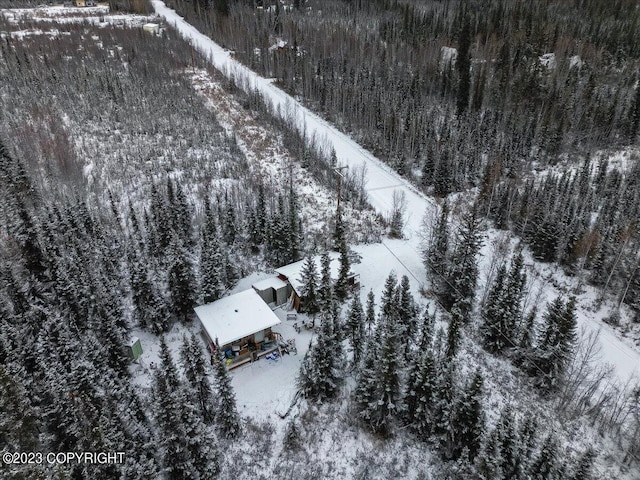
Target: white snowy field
[(382, 182)]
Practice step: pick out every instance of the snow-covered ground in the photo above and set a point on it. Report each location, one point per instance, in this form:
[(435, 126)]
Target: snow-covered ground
[(382, 182), (61, 15), (273, 162)]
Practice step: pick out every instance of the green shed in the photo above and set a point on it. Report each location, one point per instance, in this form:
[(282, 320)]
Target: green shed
[(134, 348)]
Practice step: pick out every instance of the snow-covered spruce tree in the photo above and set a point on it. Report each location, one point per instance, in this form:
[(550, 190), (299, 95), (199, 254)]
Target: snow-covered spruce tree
[(325, 289), (468, 421), (407, 313), (252, 228), (453, 332), (294, 226), (341, 287), (168, 367), (181, 280), (318, 379), (510, 449), (546, 463), (365, 395), (555, 344), (260, 233), (199, 442), (494, 316), (158, 224), (337, 333), (226, 415), (195, 370), (18, 419), (230, 270), (514, 291), (388, 305), (276, 240), (396, 218), (463, 65), (389, 394), (489, 460), (180, 214), (309, 293), (462, 275), (584, 466), (168, 414), (527, 433), (370, 313), (188, 448), (150, 308), (420, 394), (446, 392), (212, 271), (111, 338), (356, 329), (426, 330), (435, 255), (444, 181), (229, 227), (339, 238)]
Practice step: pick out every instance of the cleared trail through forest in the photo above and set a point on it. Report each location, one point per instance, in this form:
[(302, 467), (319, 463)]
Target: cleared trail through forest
[(380, 180)]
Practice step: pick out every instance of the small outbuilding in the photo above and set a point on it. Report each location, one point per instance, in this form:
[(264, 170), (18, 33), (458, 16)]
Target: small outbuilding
[(239, 326), (153, 28), (292, 275), (273, 291), (134, 348)]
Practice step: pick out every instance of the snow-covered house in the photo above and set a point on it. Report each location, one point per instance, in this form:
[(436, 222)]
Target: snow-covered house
[(273, 290), (292, 274), (239, 326)]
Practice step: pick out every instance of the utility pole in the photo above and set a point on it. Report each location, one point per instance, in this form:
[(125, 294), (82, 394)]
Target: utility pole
[(338, 171)]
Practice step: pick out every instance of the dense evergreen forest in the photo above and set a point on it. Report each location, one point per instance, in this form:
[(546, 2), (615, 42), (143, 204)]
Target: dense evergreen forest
[(123, 204), (469, 94)]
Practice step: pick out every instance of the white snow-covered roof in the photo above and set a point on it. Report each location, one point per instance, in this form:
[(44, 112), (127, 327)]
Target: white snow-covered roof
[(448, 54), (272, 282), (293, 271), (236, 316)]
